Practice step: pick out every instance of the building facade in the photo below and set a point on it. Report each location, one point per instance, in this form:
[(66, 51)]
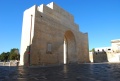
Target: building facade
[(115, 45), (107, 54), (50, 36)]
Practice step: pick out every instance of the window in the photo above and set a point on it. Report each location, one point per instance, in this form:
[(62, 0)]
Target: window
[(49, 48)]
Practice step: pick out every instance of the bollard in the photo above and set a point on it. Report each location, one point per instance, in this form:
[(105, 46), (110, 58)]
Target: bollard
[(17, 63)]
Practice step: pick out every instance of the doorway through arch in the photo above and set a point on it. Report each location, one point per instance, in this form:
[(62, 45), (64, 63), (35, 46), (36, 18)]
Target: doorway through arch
[(69, 48)]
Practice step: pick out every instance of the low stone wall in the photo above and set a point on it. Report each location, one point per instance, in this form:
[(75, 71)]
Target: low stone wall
[(14, 63), (100, 57), (104, 57)]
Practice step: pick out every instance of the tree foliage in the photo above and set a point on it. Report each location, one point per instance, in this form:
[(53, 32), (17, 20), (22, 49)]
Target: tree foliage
[(12, 55), (93, 50), (4, 56)]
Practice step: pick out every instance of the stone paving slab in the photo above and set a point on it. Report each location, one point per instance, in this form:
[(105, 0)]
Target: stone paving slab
[(71, 72)]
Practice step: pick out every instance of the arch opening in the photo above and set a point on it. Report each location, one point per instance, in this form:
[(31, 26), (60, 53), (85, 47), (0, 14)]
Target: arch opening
[(69, 54)]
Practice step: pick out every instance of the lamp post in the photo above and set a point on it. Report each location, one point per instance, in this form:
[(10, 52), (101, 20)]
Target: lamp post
[(29, 51)]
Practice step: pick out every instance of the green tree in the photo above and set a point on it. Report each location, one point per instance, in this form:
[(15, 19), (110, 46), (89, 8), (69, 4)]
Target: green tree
[(4, 56), (93, 50), (0, 57), (14, 54)]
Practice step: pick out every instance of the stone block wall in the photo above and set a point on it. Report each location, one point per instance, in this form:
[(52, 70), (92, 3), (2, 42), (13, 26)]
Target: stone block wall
[(50, 26)]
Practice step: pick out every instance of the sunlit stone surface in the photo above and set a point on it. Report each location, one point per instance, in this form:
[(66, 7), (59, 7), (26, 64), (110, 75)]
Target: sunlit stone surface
[(45, 28)]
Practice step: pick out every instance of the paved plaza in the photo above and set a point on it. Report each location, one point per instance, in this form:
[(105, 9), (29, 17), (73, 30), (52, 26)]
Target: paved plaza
[(71, 72)]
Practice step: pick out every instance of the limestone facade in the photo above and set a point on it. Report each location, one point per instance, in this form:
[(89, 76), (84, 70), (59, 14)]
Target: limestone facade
[(107, 54), (51, 33), (115, 45)]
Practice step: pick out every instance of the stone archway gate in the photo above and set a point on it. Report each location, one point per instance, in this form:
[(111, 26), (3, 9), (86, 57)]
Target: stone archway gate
[(44, 29)]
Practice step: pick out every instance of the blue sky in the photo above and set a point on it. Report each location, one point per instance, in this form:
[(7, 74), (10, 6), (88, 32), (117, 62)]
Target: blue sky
[(100, 18)]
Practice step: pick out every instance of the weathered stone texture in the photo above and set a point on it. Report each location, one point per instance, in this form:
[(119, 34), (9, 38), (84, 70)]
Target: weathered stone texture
[(51, 25)]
